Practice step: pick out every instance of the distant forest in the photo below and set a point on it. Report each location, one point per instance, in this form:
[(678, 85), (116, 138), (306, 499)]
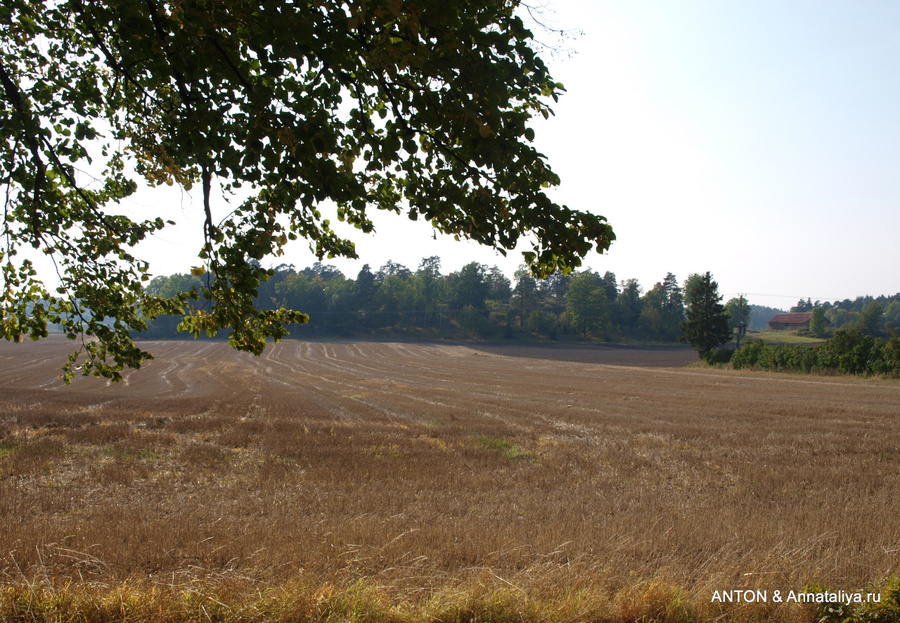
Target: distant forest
[(473, 302), (873, 315)]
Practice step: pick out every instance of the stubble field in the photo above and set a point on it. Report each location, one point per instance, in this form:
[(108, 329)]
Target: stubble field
[(406, 482)]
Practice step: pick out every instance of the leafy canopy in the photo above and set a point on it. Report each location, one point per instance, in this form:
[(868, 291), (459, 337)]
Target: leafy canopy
[(418, 106)]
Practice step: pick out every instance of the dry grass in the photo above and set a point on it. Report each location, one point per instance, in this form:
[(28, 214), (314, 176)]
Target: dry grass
[(437, 482)]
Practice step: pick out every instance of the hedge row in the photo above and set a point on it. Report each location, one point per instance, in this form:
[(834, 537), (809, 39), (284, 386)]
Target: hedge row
[(848, 352)]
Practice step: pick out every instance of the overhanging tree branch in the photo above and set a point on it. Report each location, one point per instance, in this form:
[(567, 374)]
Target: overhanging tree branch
[(255, 95)]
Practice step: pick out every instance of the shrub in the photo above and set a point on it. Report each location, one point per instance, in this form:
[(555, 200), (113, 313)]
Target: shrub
[(884, 357), (795, 358), (718, 356), (891, 354), (754, 354), (886, 610), (849, 351)]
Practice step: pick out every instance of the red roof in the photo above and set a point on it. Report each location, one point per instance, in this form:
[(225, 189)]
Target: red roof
[(792, 318)]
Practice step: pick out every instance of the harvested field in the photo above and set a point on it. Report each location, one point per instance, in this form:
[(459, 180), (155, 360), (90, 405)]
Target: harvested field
[(424, 469)]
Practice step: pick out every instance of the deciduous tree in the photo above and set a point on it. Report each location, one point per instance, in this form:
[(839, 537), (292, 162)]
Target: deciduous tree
[(629, 305), (428, 279), (586, 304), (871, 319), (738, 310), (420, 107), (470, 287), (366, 287), (817, 322), (525, 293)]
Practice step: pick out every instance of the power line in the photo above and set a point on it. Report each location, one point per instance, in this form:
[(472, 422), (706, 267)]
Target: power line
[(788, 296)]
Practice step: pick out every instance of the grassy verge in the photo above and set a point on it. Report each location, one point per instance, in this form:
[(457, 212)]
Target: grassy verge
[(782, 337), (483, 599)]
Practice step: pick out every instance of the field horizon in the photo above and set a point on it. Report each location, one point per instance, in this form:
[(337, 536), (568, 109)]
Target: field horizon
[(567, 482)]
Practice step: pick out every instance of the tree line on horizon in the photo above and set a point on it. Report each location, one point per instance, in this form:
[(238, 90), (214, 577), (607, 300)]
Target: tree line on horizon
[(478, 301), (475, 301)]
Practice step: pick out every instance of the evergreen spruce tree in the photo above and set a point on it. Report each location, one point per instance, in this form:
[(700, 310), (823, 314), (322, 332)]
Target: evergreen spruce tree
[(707, 322)]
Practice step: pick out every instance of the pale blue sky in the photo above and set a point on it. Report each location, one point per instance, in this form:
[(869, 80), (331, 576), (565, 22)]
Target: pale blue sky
[(757, 140)]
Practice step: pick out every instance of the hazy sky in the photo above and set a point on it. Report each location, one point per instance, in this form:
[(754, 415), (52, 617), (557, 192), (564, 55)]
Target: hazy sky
[(759, 141)]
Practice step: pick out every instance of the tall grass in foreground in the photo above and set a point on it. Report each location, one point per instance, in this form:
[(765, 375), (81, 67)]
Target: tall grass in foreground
[(481, 599)]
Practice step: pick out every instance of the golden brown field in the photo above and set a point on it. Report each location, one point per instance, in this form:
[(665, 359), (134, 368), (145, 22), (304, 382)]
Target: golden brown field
[(403, 481)]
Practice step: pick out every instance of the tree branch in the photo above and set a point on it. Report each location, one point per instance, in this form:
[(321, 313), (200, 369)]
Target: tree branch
[(14, 96), (234, 68)]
